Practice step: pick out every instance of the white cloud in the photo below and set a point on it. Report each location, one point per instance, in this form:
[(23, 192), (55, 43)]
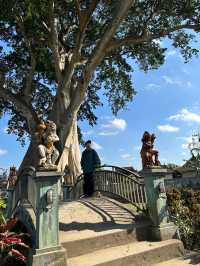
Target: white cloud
[(177, 82), (96, 146), (186, 115), (108, 133), (3, 152), (167, 128), (116, 124), (127, 156), (171, 81), (168, 80), (152, 87)]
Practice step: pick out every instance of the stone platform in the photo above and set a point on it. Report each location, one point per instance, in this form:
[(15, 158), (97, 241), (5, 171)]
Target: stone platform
[(104, 232)]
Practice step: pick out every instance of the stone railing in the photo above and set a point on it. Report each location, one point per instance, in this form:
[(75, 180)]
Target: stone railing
[(35, 202), (114, 180), (147, 193)]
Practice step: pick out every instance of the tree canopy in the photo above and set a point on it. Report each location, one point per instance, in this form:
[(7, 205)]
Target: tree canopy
[(56, 55)]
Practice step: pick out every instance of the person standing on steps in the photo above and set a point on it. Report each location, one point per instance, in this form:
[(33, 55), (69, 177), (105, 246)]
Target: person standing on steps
[(89, 162)]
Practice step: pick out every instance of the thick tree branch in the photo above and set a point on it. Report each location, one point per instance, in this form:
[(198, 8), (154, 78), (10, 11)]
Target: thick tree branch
[(122, 9), (54, 41), (20, 105), (65, 88), (78, 8), (27, 92), (134, 40), (79, 93), (84, 18), (29, 80)]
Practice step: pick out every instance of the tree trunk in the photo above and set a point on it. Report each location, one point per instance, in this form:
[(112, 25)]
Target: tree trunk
[(71, 154), (29, 158)]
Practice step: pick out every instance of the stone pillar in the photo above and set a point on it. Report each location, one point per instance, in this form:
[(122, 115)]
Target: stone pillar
[(47, 220), (161, 228), (9, 202), (47, 200)]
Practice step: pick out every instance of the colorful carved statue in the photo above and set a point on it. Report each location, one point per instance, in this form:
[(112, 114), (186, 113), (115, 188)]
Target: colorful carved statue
[(46, 136), (12, 178), (148, 154)]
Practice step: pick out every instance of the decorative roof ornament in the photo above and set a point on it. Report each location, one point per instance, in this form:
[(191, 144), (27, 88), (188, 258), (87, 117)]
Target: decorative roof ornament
[(194, 147)]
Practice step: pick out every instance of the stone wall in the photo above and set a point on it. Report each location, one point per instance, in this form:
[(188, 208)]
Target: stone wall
[(189, 182)]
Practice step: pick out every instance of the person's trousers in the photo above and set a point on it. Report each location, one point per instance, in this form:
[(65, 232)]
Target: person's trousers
[(88, 186)]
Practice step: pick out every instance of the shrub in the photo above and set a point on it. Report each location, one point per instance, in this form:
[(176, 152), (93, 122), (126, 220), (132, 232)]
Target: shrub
[(12, 246), (184, 210)]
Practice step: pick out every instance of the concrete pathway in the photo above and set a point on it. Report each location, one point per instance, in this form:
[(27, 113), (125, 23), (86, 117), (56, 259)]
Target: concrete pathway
[(89, 217)]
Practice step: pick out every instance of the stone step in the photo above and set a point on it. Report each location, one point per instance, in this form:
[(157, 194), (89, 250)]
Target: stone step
[(132, 254), (87, 242), (174, 262), (191, 259), (95, 223)]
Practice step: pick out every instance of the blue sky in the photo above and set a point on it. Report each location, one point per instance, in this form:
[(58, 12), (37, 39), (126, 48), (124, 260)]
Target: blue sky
[(167, 103)]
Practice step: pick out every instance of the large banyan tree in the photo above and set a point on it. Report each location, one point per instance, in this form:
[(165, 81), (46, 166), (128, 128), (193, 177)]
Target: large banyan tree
[(56, 55)]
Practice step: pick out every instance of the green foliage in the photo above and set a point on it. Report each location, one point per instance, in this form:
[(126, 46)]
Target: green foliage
[(13, 250), (2, 204), (24, 29), (2, 218), (184, 209)]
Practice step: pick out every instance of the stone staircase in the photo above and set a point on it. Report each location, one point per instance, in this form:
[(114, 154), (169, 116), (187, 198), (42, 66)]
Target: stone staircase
[(137, 254), (102, 232), (193, 258)]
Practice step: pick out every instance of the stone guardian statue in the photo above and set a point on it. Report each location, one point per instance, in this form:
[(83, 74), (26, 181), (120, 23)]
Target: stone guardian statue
[(149, 156), (47, 153)]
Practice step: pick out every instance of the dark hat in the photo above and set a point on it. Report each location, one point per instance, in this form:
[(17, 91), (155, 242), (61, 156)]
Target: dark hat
[(88, 142)]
